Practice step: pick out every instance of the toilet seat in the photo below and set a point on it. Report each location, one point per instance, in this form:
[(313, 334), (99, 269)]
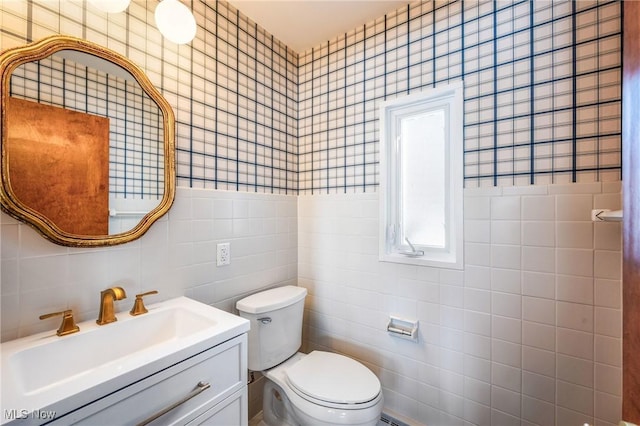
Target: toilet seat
[(333, 380)]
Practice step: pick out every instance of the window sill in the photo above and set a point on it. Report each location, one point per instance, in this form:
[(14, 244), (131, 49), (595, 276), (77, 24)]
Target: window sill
[(434, 260)]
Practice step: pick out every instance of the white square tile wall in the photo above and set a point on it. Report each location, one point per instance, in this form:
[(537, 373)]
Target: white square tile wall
[(529, 333), (177, 256)]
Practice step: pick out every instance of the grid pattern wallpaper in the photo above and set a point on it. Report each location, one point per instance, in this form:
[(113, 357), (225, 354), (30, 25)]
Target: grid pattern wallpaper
[(242, 122), (233, 89), (542, 91), (136, 166)]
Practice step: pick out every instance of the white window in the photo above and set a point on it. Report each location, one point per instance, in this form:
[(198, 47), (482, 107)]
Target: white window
[(421, 178)]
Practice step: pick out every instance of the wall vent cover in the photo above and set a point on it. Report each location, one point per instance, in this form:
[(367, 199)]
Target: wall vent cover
[(386, 419)]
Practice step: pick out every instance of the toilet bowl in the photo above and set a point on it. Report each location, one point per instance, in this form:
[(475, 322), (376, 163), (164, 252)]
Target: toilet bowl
[(319, 388)]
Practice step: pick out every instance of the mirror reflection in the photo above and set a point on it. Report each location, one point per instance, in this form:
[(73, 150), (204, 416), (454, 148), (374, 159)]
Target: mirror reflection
[(82, 127), (88, 143)]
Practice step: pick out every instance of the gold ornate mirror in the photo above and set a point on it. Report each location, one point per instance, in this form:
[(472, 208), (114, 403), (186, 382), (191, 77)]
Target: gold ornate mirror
[(88, 143)]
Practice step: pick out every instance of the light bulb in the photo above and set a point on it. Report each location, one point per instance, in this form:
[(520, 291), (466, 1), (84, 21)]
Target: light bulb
[(175, 21), (111, 6)]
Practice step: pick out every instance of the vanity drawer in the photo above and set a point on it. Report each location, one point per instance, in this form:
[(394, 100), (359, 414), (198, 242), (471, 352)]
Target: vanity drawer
[(232, 411), (194, 385)]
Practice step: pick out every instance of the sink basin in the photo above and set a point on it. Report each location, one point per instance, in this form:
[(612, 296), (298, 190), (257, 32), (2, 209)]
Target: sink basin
[(43, 370), (105, 346)]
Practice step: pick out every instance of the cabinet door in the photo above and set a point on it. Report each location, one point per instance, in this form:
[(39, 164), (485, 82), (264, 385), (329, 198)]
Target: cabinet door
[(232, 411), (180, 392)]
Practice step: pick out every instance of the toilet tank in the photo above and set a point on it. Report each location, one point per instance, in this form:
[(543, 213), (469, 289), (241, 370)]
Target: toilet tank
[(276, 324)]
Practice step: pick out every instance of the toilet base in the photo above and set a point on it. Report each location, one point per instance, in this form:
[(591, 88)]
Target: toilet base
[(276, 408)]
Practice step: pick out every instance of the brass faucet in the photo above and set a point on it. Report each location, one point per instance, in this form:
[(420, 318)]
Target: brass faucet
[(68, 324), (107, 297)]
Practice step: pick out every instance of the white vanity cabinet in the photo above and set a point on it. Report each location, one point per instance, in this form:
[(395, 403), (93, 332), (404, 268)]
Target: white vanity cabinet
[(207, 388)]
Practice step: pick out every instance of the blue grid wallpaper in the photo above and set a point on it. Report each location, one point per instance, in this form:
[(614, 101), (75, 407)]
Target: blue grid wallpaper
[(542, 88), (233, 89), (542, 91), (242, 107)]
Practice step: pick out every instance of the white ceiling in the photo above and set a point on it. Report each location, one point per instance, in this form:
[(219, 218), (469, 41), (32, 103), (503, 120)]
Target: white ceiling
[(303, 24)]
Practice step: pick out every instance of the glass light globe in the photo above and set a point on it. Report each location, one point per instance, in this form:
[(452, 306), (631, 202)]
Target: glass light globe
[(175, 21), (111, 6)]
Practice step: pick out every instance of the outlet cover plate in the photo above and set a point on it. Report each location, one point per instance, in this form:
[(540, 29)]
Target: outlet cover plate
[(224, 254)]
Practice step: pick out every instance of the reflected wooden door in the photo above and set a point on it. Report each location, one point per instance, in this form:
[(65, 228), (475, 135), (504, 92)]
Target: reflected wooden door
[(59, 165)]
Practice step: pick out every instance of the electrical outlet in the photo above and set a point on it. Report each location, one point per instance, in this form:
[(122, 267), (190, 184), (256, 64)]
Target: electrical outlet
[(224, 254)]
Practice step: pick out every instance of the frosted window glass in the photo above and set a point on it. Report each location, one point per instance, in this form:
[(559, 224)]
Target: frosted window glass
[(422, 149)]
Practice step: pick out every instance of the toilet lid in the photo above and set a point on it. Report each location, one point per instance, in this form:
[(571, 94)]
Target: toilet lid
[(333, 378)]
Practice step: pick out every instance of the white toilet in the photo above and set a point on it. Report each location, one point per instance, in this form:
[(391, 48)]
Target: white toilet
[(320, 388)]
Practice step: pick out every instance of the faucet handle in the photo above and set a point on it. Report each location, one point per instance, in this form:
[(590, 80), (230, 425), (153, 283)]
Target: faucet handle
[(138, 305), (68, 325)]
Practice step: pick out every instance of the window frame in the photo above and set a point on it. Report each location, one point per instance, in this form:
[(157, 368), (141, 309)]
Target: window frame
[(451, 256)]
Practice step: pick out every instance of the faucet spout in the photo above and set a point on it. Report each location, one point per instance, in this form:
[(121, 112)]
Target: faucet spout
[(107, 298)]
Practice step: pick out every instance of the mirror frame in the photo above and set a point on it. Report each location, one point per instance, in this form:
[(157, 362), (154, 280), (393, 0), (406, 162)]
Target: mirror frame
[(12, 58)]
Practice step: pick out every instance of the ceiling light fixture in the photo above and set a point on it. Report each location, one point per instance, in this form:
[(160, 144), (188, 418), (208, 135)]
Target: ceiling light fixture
[(111, 6), (175, 21)]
